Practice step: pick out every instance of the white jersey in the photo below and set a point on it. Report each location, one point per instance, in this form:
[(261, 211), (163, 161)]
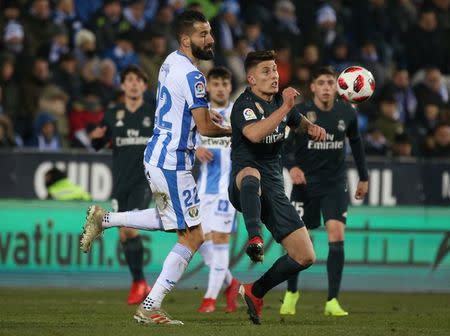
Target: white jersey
[(215, 175), (181, 88)]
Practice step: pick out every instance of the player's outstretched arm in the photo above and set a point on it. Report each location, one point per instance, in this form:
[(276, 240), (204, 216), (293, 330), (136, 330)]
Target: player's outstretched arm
[(258, 130), (206, 126)]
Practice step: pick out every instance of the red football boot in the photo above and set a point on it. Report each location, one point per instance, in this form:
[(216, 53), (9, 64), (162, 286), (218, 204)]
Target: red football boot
[(231, 295), (207, 306), (138, 292), (254, 304)]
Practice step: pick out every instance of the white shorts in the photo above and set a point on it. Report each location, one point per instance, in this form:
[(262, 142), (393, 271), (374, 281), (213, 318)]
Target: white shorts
[(217, 213), (176, 198)]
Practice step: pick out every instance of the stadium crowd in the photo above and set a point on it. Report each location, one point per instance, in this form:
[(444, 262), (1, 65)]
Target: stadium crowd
[(60, 61)]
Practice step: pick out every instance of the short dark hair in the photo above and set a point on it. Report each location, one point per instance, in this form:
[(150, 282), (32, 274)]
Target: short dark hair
[(255, 57), (185, 22), (133, 68), (323, 70), (219, 72)]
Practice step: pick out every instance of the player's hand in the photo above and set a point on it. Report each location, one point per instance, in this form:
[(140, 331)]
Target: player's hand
[(255, 249), (216, 117), (361, 190), (316, 133), (97, 133), (289, 95), (203, 154), (297, 175)]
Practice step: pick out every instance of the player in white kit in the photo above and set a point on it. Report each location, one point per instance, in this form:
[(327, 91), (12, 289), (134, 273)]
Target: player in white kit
[(218, 215), (182, 110)]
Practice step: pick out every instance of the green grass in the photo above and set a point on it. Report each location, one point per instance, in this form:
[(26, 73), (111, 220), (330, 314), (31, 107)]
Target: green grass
[(104, 312)]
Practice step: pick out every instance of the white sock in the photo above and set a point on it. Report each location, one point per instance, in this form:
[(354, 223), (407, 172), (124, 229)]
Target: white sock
[(147, 219), (206, 251), (218, 270), (173, 268)]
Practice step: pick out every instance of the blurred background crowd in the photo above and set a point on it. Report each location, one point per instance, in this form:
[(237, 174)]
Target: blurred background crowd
[(60, 61)]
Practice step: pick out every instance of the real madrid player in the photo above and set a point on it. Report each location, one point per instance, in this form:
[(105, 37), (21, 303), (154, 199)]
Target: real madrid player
[(318, 172), (258, 121), (218, 215), (128, 126), (182, 111)]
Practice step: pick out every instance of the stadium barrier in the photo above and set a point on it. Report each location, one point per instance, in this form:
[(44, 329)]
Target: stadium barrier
[(392, 182), (387, 249)]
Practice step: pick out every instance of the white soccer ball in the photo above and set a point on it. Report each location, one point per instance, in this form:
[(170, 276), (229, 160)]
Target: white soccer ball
[(355, 84)]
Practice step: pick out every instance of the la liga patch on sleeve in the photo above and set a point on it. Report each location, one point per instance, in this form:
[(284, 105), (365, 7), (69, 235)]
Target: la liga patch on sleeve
[(200, 90), (249, 114)]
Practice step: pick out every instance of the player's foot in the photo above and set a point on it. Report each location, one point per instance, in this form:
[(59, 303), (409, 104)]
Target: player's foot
[(138, 292), (255, 249), (208, 306), (155, 316), (254, 304), (92, 229), (289, 303), (231, 295), (333, 308)]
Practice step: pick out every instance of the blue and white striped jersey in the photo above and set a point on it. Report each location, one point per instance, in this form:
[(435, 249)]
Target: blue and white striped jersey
[(215, 175), (181, 88)]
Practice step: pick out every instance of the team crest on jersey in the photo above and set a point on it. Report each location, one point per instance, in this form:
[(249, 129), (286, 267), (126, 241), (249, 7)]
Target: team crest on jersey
[(260, 108), (341, 125), (312, 116), (193, 212), (200, 90), (146, 122), (249, 114), (120, 114)]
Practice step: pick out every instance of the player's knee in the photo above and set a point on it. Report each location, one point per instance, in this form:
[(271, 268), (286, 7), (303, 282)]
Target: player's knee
[(250, 184), (248, 173), (305, 258)]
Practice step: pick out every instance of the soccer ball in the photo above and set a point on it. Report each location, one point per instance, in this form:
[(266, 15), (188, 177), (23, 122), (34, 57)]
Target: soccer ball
[(355, 84)]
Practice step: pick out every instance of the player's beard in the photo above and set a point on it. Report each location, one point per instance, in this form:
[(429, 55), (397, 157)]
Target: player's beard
[(202, 54)]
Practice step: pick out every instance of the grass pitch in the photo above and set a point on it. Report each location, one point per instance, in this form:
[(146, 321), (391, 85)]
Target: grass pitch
[(104, 312)]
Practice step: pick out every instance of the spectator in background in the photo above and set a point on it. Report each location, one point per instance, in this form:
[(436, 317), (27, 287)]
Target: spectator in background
[(67, 78), (285, 25), (339, 56), (39, 27), (30, 92), (11, 11), (438, 144), (301, 78), (227, 30), (65, 15), (388, 122), (153, 52), (402, 147), (85, 53), (326, 30), (104, 86), (235, 63), (369, 58), (255, 38), (134, 14), (56, 47), (6, 133), (283, 61), (122, 53), (442, 10), (8, 83), (311, 56), (424, 45), (375, 142), (46, 137), (108, 23), (164, 23), (400, 87), (85, 112), (13, 39), (60, 188)]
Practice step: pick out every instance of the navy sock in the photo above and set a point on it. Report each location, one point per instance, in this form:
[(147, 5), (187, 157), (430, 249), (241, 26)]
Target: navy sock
[(280, 271), (292, 283), (134, 255), (335, 265), (251, 205)]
